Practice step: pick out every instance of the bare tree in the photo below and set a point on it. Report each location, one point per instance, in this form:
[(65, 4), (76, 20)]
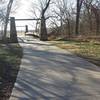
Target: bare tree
[(10, 9), (63, 12), (41, 7), (93, 14), (87, 4), (2, 16), (96, 10), (78, 7), (2, 11), (43, 30), (84, 17), (59, 12), (7, 17)]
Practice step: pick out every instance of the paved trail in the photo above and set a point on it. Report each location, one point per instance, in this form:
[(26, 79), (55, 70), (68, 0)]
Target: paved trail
[(50, 73)]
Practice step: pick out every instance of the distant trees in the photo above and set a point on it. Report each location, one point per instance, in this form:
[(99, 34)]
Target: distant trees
[(9, 5), (6, 8), (2, 16), (83, 16), (2, 12), (96, 11), (91, 15), (63, 18), (68, 18)]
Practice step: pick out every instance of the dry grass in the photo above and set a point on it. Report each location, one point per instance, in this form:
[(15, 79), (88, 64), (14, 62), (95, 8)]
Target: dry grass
[(88, 50)]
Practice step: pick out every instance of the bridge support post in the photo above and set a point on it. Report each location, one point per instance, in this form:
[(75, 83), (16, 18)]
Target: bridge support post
[(13, 32), (26, 28)]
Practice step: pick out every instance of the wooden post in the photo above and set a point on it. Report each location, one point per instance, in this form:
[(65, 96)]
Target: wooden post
[(13, 33), (26, 28)]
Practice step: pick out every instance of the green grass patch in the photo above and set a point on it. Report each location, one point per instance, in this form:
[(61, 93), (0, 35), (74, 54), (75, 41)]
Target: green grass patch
[(88, 50), (10, 59), (10, 53)]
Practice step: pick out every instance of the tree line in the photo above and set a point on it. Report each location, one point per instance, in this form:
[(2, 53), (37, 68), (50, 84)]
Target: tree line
[(63, 18), (76, 18)]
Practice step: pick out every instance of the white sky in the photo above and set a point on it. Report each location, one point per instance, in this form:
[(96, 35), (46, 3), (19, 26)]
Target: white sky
[(23, 12)]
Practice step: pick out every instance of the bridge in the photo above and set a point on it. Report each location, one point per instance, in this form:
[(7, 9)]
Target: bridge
[(13, 32)]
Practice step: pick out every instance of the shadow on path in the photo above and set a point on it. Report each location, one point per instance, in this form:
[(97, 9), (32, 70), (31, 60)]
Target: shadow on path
[(47, 74)]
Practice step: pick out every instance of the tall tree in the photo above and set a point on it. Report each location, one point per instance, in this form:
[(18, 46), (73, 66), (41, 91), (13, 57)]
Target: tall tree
[(2, 11), (2, 15), (40, 8), (79, 5), (88, 4), (7, 18), (43, 30)]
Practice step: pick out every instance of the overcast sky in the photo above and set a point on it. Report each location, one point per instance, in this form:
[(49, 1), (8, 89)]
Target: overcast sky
[(24, 9), (24, 12)]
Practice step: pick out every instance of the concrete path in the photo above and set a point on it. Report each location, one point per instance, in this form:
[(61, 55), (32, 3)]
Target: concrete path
[(50, 73)]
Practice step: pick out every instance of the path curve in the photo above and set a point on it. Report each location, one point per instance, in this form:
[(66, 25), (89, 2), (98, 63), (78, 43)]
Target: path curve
[(50, 73)]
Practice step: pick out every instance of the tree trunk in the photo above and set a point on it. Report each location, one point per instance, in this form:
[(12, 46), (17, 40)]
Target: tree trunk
[(69, 33), (97, 24), (89, 19), (77, 19), (61, 27), (79, 4), (7, 18), (43, 30)]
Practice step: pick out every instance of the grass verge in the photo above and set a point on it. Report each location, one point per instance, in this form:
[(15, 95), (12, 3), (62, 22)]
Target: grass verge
[(10, 59), (88, 50)]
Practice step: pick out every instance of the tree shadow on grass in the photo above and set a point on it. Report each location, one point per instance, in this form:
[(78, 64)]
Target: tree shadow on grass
[(9, 67), (8, 74)]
